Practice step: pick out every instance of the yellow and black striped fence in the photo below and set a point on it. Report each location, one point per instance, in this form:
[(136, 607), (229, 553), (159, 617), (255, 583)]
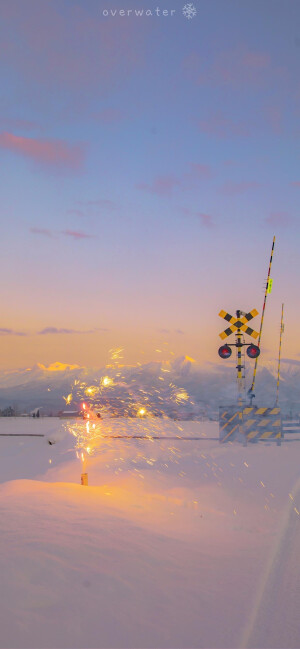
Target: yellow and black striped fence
[(249, 424)]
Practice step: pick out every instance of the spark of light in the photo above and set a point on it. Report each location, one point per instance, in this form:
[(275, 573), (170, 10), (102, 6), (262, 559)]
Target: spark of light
[(91, 390), (181, 395), (116, 353), (68, 399), (106, 381)]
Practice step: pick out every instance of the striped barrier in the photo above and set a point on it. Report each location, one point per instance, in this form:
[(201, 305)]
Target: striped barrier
[(262, 423), (230, 424), (250, 424)]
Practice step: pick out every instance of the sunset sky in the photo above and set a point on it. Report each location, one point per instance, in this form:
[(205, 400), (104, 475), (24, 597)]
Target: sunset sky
[(146, 163)]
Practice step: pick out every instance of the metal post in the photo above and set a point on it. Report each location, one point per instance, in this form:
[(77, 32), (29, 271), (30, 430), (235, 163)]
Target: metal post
[(267, 290), (279, 356), (240, 383)]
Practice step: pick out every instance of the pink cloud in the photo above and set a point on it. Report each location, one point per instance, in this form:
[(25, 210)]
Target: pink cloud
[(87, 47), (199, 170), (279, 219), (232, 189), (239, 66), (206, 219), (186, 211), (162, 185), (42, 231), (222, 127), (296, 183), (56, 153), (77, 235), (256, 60)]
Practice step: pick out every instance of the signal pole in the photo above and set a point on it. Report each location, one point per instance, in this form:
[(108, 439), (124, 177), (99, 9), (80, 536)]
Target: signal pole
[(279, 356), (240, 385), (268, 289), (239, 367)]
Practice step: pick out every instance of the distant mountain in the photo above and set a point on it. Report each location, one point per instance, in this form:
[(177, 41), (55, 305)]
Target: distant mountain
[(178, 388)]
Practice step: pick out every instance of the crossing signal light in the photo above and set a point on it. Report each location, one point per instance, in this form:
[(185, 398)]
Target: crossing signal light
[(225, 351), (253, 351)]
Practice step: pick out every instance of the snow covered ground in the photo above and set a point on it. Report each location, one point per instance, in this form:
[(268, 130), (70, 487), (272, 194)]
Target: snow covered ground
[(175, 543)]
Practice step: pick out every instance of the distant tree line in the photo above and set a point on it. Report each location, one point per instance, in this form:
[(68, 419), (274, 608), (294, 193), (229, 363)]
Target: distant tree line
[(8, 412)]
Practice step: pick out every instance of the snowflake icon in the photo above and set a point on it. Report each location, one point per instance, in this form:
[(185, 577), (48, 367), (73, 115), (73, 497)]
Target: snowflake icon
[(189, 10)]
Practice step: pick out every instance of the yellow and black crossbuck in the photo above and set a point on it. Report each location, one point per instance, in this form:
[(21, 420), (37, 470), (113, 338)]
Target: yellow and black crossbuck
[(250, 423), (238, 323)]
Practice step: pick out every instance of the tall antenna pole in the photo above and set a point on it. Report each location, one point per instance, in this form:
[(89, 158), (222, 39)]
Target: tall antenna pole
[(267, 290), (279, 356)]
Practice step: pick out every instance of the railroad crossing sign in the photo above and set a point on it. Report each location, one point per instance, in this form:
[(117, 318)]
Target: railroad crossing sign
[(238, 323)]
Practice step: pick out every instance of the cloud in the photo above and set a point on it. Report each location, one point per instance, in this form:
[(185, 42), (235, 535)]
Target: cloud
[(296, 183), (236, 67), (162, 185), (290, 361), (11, 332), (232, 189), (222, 127), (54, 330), (279, 219), (74, 234), (56, 153), (255, 60), (88, 50), (199, 170), (43, 232), (206, 219)]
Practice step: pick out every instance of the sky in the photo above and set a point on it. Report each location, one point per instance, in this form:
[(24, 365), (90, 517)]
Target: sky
[(147, 161)]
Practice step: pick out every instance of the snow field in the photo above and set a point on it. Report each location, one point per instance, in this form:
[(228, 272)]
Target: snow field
[(173, 544)]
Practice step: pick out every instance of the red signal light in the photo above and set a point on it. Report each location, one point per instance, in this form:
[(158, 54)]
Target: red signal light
[(225, 351), (253, 351)]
